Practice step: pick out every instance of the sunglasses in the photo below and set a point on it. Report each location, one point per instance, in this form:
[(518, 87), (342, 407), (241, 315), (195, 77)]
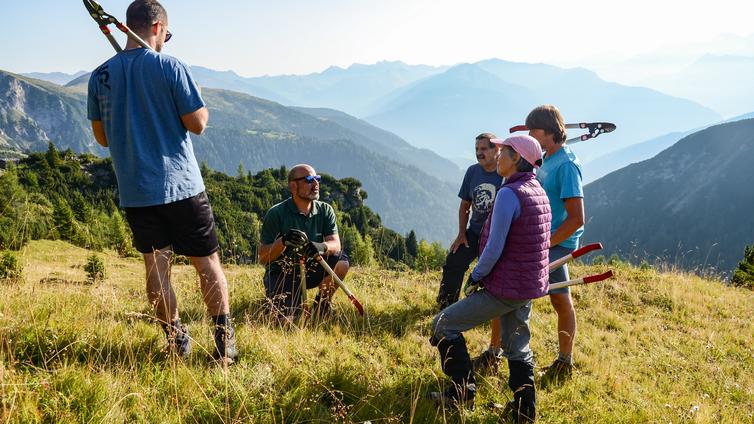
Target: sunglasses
[(309, 178), (168, 34)]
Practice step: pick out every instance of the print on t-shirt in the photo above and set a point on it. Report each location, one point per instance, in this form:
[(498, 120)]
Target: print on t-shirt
[(484, 198)]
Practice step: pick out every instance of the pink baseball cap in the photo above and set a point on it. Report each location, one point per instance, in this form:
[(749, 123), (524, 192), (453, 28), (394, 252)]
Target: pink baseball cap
[(526, 146)]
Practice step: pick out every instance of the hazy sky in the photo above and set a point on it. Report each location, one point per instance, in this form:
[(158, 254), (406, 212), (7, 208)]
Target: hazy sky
[(302, 36)]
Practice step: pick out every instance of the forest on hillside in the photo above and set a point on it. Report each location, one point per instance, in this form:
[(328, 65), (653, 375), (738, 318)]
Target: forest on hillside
[(59, 195)]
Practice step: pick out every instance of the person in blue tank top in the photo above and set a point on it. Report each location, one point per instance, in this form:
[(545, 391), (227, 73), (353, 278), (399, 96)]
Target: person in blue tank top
[(143, 104)]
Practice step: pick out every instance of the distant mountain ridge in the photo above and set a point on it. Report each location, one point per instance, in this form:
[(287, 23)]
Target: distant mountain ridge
[(690, 205), (256, 133), (603, 165), (34, 113), (59, 78), (494, 95), (722, 82)]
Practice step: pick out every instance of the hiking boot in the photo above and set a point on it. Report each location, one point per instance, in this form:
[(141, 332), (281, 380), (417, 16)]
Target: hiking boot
[(179, 341), (450, 399), (225, 345), (486, 363), (557, 373)]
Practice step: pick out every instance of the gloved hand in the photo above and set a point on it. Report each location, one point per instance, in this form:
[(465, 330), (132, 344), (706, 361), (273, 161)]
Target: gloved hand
[(471, 286), (314, 248), (295, 239)]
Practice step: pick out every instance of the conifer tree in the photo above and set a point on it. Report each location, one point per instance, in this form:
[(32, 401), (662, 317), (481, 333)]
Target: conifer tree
[(743, 276)]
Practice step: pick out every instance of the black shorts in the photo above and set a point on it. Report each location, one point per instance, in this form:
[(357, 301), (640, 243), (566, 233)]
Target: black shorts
[(188, 225), (280, 285)]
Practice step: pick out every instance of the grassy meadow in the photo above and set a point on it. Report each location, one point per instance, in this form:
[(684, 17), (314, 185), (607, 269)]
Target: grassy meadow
[(652, 347)]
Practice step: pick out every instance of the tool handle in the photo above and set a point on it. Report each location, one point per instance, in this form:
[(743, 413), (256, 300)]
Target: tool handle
[(583, 280), (340, 282), (573, 255)]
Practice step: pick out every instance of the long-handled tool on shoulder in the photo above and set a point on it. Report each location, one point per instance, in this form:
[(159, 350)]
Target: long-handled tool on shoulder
[(469, 289), (594, 128), (104, 19), (318, 257)]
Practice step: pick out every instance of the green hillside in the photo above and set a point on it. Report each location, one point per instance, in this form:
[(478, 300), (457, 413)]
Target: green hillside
[(652, 347), (691, 205), (254, 132)]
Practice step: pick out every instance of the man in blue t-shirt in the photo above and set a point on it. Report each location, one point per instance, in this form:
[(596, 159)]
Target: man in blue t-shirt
[(477, 195), (142, 105), (560, 176)]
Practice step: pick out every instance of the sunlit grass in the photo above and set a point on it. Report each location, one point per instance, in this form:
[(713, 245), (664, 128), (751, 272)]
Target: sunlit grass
[(660, 347)]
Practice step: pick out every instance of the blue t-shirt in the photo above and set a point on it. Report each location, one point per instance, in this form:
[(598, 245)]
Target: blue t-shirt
[(507, 208), (140, 96), (479, 187), (560, 176)]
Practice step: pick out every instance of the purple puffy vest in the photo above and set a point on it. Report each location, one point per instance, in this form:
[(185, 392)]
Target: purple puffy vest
[(522, 272)]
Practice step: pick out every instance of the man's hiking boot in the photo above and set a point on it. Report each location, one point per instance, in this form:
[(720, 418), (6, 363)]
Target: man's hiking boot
[(557, 373), (179, 341), (225, 345), (450, 399), (486, 363)]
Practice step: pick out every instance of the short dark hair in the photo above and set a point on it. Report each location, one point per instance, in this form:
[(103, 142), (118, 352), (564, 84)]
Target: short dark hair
[(549, 119), (142, 14), (486, 136), (522, 165)]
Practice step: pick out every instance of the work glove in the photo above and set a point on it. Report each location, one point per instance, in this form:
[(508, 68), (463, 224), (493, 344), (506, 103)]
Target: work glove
[(295, 239), (471, 286), (314, 248)]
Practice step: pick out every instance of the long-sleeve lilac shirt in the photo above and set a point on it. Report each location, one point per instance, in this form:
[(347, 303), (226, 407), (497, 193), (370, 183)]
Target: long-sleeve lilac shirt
[(506, 209)]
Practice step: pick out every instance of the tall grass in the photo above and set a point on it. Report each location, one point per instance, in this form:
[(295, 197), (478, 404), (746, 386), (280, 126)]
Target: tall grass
[(651, 346)]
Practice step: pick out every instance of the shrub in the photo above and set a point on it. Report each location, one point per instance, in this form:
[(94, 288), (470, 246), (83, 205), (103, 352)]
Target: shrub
[(95, 269), (10, 267), (644, 265), (743, 276)]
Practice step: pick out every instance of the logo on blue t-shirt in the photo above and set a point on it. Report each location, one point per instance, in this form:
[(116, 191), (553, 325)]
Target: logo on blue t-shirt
[(484, 197)]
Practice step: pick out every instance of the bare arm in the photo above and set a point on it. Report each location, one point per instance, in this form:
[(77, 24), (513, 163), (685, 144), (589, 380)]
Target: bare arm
[(333, 244), (272, 251), (99, 133), (574, 206), (196, 121), (464, 210)]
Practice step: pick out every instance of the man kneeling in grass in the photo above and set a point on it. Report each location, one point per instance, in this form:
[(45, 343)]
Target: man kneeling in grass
[(293, 231), (511, 271)]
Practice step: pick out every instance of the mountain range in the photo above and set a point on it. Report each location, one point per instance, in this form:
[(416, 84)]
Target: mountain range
[(690, 205), (445, 109), (603, 165), (34, 113), (257, 134), (721, 82), (59, 78)]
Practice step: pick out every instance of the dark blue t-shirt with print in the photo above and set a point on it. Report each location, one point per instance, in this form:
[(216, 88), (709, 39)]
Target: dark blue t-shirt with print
[(479, 187)]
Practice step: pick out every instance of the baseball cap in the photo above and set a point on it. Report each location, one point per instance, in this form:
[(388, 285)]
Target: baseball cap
[(526, 146)]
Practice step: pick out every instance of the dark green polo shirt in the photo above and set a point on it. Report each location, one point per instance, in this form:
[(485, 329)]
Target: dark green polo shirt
[(318, 224)]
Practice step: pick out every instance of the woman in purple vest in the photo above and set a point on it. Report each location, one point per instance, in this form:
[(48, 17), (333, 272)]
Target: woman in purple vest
[(512, 269)]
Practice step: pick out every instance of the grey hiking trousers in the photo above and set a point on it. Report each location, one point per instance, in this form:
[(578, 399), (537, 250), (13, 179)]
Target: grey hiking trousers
[(482, 307)]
